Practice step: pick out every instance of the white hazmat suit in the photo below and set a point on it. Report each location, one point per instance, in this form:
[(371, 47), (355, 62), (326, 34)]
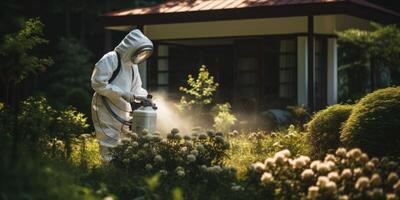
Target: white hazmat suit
[(108, 129)]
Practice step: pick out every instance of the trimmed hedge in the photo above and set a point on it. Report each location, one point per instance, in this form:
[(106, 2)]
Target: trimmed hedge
[(324, 129), (374, 124)]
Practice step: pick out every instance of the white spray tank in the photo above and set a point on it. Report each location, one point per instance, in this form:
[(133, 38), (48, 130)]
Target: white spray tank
[(144, 116)]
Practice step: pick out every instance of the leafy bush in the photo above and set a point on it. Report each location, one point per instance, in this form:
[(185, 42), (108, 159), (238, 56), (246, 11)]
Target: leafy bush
[(248, 148), (188, 161), (345, 175), (374, 123), (199, 92), (223, 119), (45, 127), (324, 129), (300, 115)]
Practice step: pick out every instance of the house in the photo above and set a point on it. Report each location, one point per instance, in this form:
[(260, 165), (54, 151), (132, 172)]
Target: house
[(264, 53)]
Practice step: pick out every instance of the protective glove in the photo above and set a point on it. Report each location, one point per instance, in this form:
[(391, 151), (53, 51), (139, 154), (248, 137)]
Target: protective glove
[(128, 96)]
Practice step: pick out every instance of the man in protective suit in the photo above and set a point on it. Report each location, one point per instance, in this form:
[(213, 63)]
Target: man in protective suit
[(116, 81)]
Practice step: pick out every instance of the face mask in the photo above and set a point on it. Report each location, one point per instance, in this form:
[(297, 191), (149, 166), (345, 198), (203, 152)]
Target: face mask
[(142, 55)]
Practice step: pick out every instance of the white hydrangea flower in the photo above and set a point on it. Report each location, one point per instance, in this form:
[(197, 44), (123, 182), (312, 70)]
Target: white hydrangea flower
[(331, 187), (269, 162), (343, 197), (391, 196), (370, 166), (392, 177), (354, 153), (286, 153), (258, 166), (376, 180), (362, 183), (364, 158), (299, 163), (322, 181), (191, 158), (148, 167), (313, 192), (323, 168), (341, 152), (346, 173), (334, 176), (307, 174), (357, 172), (330, 157), (267, 178), (314, 164), (158, 159), (180, 173)]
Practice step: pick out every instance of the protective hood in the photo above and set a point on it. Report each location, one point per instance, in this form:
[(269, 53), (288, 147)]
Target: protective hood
[(132, 42)]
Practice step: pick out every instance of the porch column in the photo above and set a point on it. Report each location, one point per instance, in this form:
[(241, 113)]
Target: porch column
[(302, 66), (311, 63), (332, 71)]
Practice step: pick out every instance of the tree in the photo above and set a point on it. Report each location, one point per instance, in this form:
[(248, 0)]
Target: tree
[(17, 56), (363, 54), (68, 81)]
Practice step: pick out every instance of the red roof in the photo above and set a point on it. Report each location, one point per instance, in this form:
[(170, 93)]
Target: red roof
[(176, 6), (178, 11)]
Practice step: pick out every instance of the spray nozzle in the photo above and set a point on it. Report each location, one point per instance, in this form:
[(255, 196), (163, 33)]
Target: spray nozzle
[(144, 103)]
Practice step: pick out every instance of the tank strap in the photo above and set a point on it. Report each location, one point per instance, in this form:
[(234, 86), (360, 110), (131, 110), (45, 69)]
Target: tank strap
[(116, 71)]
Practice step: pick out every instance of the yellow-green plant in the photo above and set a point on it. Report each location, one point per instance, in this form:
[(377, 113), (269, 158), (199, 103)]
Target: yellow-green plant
[(199, 91), (223, 118)]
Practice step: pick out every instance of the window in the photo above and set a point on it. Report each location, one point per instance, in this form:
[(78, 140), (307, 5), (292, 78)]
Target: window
[(159, 69), (287, 69), (247, 73)]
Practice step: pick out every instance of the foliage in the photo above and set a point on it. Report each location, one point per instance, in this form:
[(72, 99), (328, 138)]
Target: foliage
[(365, 54), (85, 152), (15, 52), (187, 162), (300, 115), (40, 181), (199, 91), (67, 81), (374, 123), (345, 175), (44, 127), (324, 129), (224, 120), (248, 148)]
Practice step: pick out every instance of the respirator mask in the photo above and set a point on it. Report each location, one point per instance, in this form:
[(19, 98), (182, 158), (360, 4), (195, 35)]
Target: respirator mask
[(142, 54)]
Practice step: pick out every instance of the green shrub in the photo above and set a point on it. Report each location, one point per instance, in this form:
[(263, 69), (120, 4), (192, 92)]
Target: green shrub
[(248, 148), (324, 129), (343, 175), (374, 123), (186, 161)]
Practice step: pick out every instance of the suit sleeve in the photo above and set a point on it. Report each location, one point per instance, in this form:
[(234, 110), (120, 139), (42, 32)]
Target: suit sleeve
[(102, 73), (137, 88)]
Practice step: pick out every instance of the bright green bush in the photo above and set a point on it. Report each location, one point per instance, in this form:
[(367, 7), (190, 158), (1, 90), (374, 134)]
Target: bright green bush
[(224, 120), (248, 148), (374, 123), (345, 175), (324, 129)]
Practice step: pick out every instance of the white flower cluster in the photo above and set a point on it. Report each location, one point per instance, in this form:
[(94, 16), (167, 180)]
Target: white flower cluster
[(345, 174)]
